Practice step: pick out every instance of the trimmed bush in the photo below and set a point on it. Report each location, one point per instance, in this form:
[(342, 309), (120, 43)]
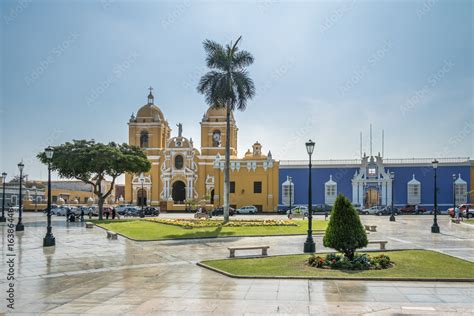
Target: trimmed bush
[(345, 232)]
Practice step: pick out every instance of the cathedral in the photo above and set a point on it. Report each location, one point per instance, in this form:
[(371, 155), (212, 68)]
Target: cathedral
[(183, 174)]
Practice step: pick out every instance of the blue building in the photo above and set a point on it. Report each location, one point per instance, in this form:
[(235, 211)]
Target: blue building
[(370, 180)]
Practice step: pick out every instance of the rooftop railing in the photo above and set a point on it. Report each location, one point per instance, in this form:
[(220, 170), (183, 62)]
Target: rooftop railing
[(387, 161)]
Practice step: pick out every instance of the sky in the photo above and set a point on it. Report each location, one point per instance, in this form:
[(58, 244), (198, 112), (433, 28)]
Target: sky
[(323, 71)]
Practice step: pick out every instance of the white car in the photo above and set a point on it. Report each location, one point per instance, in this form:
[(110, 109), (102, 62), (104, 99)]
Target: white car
[(247, 210), (299, 210)]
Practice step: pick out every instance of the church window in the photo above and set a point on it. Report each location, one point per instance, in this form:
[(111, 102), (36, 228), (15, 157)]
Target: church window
[(460, 191), (144, 139), (216, 139), (178, 162), (232, 186), (330, 191)]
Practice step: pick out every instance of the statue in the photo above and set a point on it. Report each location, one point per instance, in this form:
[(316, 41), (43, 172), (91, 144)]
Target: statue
[(180, 129)]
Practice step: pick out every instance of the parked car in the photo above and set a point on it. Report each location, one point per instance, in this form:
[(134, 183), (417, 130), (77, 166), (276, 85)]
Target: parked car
[(465, 210), (375, 210), (388, 210), (151, 211), (219, 211), (357, 207), (53, 207), (132, 211), (298, 210), (322, 208), (62, 210), (412, 209), (250, 209), (121, 208)]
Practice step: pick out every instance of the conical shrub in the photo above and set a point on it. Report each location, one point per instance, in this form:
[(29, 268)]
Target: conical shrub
[(345, 232)]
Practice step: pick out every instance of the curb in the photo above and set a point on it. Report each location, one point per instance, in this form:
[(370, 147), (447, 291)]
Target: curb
[(199, 238), (260, 277)]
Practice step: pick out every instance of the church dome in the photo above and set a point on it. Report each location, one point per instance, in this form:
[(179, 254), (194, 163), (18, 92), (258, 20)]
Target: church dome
[(217, 115), (150, 112)]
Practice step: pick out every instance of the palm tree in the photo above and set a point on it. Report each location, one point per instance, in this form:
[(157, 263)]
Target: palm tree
[(227, 85)]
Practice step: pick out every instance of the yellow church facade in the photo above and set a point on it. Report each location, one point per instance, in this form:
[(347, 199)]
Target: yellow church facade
[(181, 173)]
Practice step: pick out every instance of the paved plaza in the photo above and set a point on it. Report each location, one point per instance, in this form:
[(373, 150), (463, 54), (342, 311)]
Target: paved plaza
[(88, 274)]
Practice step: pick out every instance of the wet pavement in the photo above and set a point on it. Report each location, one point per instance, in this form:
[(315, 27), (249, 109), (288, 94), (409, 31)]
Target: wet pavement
[(88, 274)]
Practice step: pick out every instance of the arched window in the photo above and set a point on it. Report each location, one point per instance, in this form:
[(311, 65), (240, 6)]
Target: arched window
[(414, 191), (330, 191), (178, 162), (216, 139), (144, 139)]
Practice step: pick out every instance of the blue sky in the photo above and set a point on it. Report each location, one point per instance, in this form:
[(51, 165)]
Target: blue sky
[(323, 70)]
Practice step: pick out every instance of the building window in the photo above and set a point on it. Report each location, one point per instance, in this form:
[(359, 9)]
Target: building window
[(414, 191), (288, 192), (330, 191), (232, 186), (257, 187), (178, 162), (216, 139), (259, 208), (144, 139)]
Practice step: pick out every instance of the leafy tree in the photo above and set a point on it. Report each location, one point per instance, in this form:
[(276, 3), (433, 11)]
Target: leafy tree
[(228, 86), (92, 163), (345, 232)]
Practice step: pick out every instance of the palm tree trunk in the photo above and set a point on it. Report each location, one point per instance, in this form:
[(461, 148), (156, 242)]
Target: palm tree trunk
[(227, 166)]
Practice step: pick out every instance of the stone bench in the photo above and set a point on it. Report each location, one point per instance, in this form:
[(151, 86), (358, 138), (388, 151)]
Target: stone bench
[(89, 225), (382, 243), (201, 215), (111, 235), (296, 215), (371, 228), (233, 249)]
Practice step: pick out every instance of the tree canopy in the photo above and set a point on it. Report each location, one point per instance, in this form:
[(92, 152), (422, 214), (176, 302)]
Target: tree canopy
[(93, 163)]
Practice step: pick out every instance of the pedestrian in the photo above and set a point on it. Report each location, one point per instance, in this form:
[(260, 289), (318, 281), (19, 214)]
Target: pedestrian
[(114, 213), (456, 213), (107, 214), (67, 215), (326, 215), (90, 213), (82, 214)]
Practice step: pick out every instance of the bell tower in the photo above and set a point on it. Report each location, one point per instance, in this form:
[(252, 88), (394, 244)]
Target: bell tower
[(213, 133)]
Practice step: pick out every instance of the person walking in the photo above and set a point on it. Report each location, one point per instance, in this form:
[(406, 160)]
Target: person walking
[(82, 214), (107, 214), (326, 215), (114, 213), (456, 213)]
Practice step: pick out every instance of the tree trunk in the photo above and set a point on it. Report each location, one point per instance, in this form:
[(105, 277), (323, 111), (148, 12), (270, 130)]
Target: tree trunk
[(227, 166), (101, 200)]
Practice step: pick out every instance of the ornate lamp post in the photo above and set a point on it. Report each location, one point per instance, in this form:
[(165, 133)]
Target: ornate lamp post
[(454, 192), (49, 239), (142, 181), (435, 227), (309, 245), (19, 226), (392, 216), (4, 181)]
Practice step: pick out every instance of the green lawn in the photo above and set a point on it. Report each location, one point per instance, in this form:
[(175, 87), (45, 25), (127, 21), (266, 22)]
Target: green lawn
[(145, 230), (469, 221), (408, 264)]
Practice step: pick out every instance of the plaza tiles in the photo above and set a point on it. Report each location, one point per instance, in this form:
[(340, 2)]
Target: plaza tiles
[(88, 274)]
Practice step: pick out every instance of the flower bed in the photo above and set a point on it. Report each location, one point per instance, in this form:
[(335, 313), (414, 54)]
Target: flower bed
[(197, 223), (359, 262)]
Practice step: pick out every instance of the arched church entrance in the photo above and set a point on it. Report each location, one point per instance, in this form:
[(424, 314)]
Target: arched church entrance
[(372, 197), (179, 192), (141, 197)]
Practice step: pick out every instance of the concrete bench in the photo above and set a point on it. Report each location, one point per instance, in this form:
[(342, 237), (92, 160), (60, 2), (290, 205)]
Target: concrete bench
[(371, 228), (89, 225), (201, 215), (382, 243), (297, 215), (233, 249), (111, 234)]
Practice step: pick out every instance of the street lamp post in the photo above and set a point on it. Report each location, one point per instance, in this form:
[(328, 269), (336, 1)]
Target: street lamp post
[(392, 217), (49, 239), (142, 180), (19, 226), (291, 181), (435, 227), (454, 193), (309, 245), (4, 181)]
